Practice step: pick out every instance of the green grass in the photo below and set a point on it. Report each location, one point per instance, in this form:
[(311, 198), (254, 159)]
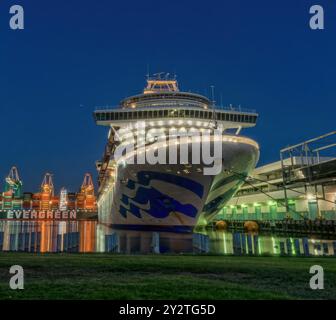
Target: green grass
[(108, 276)]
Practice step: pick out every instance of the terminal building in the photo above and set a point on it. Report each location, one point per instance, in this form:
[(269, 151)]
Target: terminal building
[(300, 186)]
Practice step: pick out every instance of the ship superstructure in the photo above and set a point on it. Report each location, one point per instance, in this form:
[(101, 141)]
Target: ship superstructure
[(172, 196)]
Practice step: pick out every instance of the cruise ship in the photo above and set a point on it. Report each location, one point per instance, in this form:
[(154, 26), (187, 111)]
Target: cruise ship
[(170, 196)]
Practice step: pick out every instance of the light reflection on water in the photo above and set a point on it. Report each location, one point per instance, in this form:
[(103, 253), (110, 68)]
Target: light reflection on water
[(88, 236)]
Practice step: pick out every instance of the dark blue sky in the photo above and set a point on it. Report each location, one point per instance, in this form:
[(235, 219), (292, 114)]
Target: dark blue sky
[(260, 54)]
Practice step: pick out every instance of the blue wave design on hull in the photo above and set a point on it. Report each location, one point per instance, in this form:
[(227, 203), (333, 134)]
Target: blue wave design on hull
[(160, 205), (145, 177)]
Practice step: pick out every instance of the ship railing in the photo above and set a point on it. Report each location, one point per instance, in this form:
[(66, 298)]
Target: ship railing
[(235, 109), (216, 108)]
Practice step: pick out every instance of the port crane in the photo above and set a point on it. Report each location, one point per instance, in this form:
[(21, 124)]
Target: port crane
[(86, 197), (47, 192), (13, 183)]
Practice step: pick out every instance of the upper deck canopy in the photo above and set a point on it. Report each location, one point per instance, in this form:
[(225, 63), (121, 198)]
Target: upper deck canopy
[(164, 91), (162, 100)]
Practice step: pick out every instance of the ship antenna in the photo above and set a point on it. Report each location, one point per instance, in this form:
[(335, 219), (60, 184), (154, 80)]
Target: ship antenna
[(213, 95), (147, 71), (213, 103)]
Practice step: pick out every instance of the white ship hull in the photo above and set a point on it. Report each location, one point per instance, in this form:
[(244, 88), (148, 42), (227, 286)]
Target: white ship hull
[(175, 197)]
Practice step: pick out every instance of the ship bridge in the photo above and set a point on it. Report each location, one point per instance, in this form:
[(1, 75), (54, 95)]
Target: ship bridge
[(162, 101), (157, 84), (163, 91)]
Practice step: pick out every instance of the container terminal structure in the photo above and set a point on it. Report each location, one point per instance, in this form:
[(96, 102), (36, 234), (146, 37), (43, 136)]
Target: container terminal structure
[(15, 200)]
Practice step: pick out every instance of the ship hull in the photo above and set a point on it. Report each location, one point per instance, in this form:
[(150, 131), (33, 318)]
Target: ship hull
[(175, 197)]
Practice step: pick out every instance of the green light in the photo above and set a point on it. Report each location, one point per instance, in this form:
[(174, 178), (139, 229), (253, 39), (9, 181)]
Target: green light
[(293, 247), (273, 244), (224, 239)]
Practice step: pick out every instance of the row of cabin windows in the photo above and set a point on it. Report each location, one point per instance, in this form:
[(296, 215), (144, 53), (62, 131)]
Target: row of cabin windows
[(198, 114)]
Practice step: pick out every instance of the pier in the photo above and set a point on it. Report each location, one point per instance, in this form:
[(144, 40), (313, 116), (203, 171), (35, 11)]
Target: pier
[(300, 227)]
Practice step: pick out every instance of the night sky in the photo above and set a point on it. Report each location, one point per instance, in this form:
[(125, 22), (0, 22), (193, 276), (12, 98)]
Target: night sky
[(75, 55)]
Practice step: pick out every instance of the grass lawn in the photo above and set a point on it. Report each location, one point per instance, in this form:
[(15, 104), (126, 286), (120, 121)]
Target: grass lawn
[(109, 276)]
